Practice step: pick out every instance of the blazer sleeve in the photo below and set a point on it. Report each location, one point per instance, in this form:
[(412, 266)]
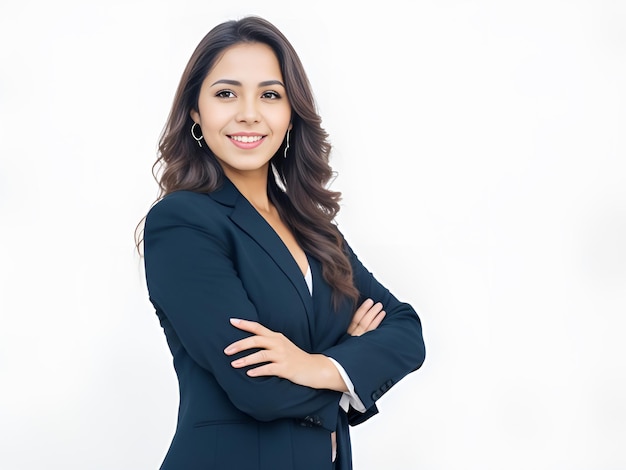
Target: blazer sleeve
[(192, 280), (378, 359)]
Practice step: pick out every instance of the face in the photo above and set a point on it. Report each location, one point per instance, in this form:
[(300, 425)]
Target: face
[(243, 109)]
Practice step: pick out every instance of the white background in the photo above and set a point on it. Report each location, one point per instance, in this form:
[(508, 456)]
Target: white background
[(481, 152)]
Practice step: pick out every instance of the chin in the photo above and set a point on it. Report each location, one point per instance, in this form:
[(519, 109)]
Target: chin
[(245, 166)]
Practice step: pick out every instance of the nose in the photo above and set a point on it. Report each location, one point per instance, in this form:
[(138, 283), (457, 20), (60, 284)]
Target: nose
[(248, 111)]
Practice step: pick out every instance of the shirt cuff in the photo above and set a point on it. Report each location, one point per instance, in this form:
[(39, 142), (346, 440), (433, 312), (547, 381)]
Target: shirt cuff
[(349, 398)]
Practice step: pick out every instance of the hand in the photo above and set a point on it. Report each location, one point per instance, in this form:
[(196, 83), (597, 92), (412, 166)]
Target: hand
[(366, 318), (282, 358)]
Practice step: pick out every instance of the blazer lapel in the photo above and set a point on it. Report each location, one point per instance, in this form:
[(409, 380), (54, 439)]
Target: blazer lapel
[(246, 217)]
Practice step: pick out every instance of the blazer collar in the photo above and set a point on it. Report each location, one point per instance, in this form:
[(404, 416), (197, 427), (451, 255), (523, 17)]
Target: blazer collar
[(246, 217), (227, 194)]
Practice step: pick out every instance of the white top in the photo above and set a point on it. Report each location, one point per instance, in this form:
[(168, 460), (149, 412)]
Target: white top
[(350, 397), (308, 277)]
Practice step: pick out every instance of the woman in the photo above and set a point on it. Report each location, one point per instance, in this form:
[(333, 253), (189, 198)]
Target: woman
[(277, 331)]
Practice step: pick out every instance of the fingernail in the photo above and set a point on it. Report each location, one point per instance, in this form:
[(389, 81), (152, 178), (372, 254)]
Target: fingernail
[(235, 321), (228, 350)]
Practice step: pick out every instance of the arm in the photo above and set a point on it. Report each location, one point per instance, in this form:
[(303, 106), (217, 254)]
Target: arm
[(378, 359), (279, 357), (373, 358), (193, 282)]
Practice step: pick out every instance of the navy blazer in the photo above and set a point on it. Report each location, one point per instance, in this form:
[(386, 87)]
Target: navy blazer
[(210, 257)]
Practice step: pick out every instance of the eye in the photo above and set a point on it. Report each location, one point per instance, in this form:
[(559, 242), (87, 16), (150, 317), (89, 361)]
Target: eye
[(225, 94), (271, 95)]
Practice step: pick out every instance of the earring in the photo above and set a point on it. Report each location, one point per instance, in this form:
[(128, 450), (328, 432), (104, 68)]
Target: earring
[(198, 139), (287, 146)]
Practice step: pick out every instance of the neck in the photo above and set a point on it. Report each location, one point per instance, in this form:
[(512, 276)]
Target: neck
[(253, 186)]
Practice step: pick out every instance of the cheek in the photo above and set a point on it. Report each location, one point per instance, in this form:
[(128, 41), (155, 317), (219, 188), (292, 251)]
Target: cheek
[(213, 119), (282, 119)]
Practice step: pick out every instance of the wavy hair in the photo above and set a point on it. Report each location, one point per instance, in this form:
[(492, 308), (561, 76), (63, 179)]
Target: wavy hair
[(297, 185)]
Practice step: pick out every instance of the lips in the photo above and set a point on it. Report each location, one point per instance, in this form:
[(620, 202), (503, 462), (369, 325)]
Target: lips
[(247, 141)]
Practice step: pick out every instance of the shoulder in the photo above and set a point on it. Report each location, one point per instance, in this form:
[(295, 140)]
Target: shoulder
[(179, 200), (184, 208)]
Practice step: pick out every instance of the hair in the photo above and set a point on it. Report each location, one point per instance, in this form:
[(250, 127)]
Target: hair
[(297, 185)]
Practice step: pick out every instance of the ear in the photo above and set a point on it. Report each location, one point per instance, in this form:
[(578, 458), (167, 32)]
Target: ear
[(195, 115), (290, 126)]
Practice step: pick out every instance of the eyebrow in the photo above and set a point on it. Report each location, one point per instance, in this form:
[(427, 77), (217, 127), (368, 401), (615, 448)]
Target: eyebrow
[(237, 83)]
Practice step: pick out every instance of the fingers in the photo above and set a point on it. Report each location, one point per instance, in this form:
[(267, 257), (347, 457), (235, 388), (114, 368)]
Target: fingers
[(367, 318), (251, 359), (259, 357), (377, 320), (361, 311), (264, 355), (264, 370), (250, 326), (261, 336), (359, 314), (371, 315), (271, 346), (251, 342)]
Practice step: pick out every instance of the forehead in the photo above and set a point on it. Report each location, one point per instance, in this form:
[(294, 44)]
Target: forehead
[(247, 60)]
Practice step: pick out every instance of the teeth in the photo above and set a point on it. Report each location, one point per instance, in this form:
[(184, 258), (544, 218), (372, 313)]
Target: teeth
[(246, 139)]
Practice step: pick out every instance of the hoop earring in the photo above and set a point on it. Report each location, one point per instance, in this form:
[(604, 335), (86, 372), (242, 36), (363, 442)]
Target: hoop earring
[(198, 139), (287, 146)]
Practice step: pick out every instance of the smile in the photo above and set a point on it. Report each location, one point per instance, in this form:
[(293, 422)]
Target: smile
[(247, 142), (246, 139)]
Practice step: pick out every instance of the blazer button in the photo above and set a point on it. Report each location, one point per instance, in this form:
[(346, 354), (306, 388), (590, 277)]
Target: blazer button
[(381, 391), (310, 421)]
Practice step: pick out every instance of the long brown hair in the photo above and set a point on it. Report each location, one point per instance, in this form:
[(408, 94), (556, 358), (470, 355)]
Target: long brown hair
[(297, 184)]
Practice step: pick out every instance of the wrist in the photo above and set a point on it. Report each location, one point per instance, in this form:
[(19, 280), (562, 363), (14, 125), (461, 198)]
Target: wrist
[(326, 374)]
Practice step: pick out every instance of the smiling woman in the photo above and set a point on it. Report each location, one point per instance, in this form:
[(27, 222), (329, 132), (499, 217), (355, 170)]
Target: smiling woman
[(243, 106), (280, 337)]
